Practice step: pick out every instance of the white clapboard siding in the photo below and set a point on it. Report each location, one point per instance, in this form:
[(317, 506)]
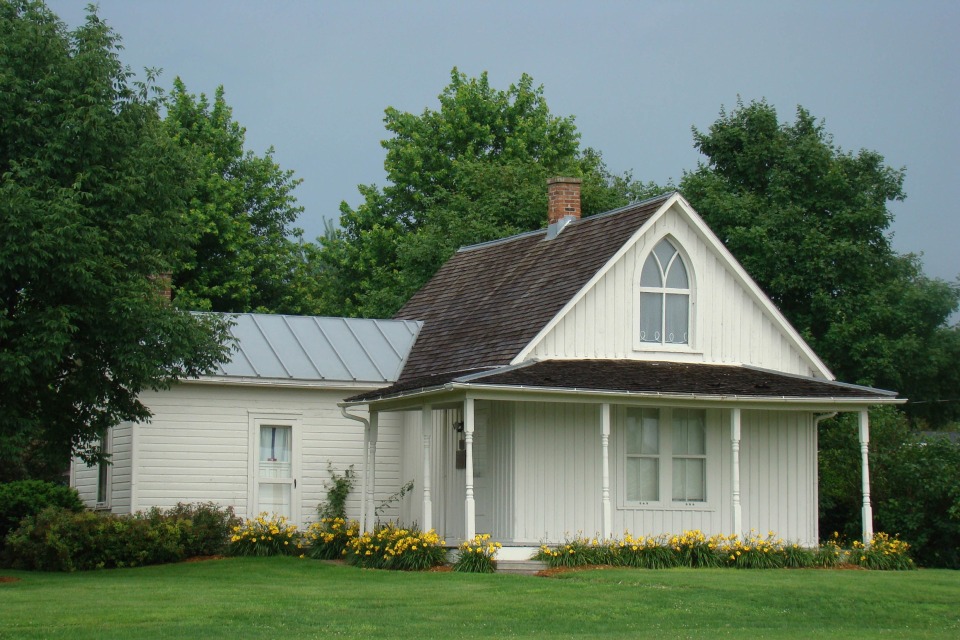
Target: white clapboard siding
[(197, 449), (84, 480), (727, 324)]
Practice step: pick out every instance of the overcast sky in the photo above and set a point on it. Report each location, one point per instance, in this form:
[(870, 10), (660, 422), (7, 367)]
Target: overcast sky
[(312, 80)]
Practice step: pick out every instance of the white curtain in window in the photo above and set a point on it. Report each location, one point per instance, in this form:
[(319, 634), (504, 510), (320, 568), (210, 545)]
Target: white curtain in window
[(275, 450)]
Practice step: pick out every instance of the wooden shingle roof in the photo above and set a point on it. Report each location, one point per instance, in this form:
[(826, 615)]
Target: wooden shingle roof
[(490, 300), (646, 378)]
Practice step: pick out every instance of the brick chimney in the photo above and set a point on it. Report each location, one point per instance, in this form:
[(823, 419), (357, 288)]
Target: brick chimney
[(563, 208)]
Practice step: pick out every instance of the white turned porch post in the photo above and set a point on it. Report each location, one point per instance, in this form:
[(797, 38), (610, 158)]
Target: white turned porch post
[(426, 425), (866, 510), (735, 469), (372, 481), (607, 521), (470, 504)]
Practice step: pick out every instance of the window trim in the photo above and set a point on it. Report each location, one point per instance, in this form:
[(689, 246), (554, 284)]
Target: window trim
[(712, 442), (105, 474)]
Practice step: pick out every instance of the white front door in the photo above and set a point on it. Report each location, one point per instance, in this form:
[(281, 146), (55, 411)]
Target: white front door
[(275, 469)]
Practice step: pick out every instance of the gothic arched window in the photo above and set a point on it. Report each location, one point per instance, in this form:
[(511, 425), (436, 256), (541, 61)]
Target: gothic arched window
[(664, 297)]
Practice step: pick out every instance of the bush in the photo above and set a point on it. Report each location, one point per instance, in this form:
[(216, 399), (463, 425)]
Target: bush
[(576, 552), (29, 497), (58, 539), (830, 553), (328, 538), (478, 555), (205, 526), (643, 553), (390, 546), (267, 535)]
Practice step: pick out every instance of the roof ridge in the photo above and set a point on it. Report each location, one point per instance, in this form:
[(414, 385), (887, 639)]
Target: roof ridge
[(598, 216)]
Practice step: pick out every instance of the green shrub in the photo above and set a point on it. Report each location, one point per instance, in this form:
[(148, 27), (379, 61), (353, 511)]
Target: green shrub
[(58, 539), (205, 526), (338, 489), (266, 535), (477, 555), (830, 553), (29, 497), (328, 538), (391, 546)]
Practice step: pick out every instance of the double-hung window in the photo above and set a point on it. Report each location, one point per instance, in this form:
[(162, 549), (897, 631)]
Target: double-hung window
[(665, 456)]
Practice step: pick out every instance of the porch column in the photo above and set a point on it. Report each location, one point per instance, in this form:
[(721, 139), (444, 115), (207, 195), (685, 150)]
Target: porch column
[(607, 522), (426, 425), (866, 510), (735, 469), (470, 504), (372, 481)]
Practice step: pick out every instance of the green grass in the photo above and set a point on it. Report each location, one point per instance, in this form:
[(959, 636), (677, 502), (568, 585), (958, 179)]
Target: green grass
[(289, 597)]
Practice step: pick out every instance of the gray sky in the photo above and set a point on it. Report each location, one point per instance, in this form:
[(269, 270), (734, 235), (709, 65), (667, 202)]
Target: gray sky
[(312, 79)]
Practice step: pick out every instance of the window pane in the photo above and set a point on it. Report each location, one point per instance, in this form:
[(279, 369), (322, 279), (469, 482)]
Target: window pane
[(275, 498), (643, 431), (689, 432), (650, 276), (275, 449), (651, 317), (677, 318), (643, 479), (689, 480), (664, 251), (677, 275)]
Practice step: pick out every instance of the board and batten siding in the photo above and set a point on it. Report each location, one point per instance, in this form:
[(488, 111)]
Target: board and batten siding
[(778, 474), (727, 324), (540, 475), (197, 448)]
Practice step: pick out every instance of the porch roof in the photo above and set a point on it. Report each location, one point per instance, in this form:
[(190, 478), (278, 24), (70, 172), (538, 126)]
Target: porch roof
[(640, 377)]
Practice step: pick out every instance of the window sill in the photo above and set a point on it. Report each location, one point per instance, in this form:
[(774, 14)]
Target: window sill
[(667, 506)]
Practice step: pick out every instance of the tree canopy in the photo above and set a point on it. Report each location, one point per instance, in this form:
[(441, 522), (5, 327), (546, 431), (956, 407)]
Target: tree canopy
[(92, 194), (247, 254), (810, 223), (473, 170)]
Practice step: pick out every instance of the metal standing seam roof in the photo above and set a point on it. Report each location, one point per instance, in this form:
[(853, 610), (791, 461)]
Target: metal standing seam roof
[(309, 348)]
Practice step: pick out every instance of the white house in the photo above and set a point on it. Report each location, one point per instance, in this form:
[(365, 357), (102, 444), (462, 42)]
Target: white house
[(617, 372)]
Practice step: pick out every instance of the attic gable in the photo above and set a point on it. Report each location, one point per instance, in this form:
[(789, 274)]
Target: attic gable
[(490, 300), (731, 321)]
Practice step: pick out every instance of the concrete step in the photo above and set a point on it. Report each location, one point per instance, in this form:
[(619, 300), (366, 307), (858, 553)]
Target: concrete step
[(520, 567)]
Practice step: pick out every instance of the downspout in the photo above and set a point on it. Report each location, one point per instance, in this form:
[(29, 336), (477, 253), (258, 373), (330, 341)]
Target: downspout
[(366, 450)]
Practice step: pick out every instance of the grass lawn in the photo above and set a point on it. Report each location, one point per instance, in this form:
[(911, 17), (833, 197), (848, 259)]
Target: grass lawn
[(288, 597)]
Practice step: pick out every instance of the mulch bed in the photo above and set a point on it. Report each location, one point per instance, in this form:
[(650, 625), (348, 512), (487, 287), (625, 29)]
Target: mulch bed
[(204, 558), (8, 579)]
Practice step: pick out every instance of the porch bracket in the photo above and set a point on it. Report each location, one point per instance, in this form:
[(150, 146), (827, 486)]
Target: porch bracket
[(470, 504), (866, 510), (371, 519), (735, 473), (426, 425), (607, 522)]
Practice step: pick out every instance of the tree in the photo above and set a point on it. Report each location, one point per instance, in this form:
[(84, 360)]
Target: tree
[(248, 255), (915, 485), (91, 201), (474, 170), (810, 223)]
